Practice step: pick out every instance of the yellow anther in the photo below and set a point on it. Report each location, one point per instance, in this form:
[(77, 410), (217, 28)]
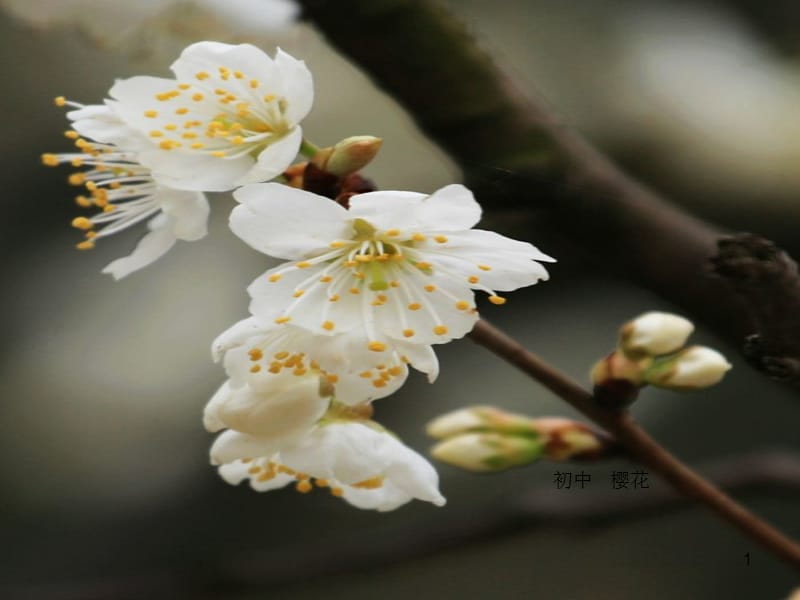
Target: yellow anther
[(354, 290), (274, 277), (255, 354), (332, 378), (266, 476), (462, 305), (163, 96), (82, 223), (376, 346), (51, 160), (108, 208), (85, 245), (184, 86), (254, 469), (269, 98), (281, 355), (115, 185), (364, 258), (90, 235), (369, 484), (189, 135), (336, 244), (473, 279), (414, 306), (254, 83), (156, 133), (303, 486), (418, 237), (238, 74), (237, 140), (379, 383), (299, 371), (484, 267), (76, 179), (302, 265), (170, 127), (394, 283), (408, 332), (168, 144), (337, 492), (325, 279), (392, 232), (218, 153), (440, 330), (255, 368), (497, 300), (197, 97), (201, 75), (281, 320), (395, 371), (197, 145), (151, 114), (73, 135), (424, 266), (442, 239), (60, 101), (83, 201), (334, 298), (430, 288), (365, 375), (329, 325), (323, 483), (350, 263), (76, 162)]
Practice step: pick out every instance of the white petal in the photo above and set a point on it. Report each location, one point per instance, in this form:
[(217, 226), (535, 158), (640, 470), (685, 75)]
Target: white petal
[(235, 336), (411, 473), (451, 208), (193, 171), (388, 209), (101, 124), (231, 445), (133, 96), (274, 159), (254, 16), (298, 86), (211, 420), (286, 222), (209, 56), (189, 211), (150, 248), (421, 357)]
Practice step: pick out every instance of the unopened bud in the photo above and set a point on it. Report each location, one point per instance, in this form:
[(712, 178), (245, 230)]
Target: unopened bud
[(617, 379), (694, 368), (479, 419), (654, 333), (488, 451), (566, 439), (348, 156)]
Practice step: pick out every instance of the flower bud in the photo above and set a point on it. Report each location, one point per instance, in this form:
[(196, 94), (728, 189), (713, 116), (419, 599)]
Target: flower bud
[(488, 451), (694, 368), (479, 419), (348, 156), (566, 439), (655, 333)]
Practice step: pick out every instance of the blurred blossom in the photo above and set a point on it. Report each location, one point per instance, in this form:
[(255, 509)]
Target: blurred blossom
[(118, 22)]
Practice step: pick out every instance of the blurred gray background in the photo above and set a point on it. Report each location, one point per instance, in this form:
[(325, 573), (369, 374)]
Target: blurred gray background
[(108, 492)]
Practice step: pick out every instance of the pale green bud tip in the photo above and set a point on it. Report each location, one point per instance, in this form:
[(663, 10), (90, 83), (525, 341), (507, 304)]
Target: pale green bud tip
[(694, 368), (483, 418), (452, 423), (655, 333), (348, 156), (488, 451)]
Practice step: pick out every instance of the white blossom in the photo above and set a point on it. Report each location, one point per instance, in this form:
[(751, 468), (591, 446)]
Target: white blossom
[(655, 333), (254, 352), (230, 117), (399, 265), (693, 368), (357, 461), (124, 190)]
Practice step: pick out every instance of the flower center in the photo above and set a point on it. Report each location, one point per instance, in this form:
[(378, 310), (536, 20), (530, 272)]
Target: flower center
[(224, 114)]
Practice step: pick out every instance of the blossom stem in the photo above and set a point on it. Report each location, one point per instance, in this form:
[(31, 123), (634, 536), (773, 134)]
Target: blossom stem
[(308, 149), (638, 442)]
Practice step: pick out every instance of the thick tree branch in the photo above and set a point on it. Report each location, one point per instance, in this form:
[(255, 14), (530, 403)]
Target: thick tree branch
[(515, 153)]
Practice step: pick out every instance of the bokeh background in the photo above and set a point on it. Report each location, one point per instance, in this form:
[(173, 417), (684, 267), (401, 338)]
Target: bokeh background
[(107, 490)]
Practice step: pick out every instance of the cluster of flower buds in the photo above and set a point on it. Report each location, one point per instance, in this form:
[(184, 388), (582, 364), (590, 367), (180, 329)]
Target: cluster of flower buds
[(651, 351), (371, 279), (485, 438)]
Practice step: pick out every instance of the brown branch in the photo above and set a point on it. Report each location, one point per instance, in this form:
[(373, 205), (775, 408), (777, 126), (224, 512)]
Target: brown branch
[(515, 154), (767, 281), (639, 444)]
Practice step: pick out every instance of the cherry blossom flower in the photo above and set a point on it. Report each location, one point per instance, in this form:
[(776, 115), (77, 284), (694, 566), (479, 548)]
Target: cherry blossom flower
[(229, 117), (356, 460), (254, 353), (124, 190), (397, 265)]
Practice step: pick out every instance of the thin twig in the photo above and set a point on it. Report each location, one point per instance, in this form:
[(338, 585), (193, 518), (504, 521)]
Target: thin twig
[(640, 445)]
